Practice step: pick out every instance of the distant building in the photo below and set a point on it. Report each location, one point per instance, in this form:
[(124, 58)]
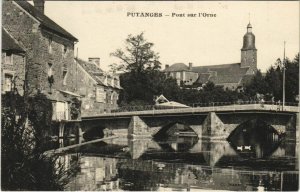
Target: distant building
[(49, 53), (229, 76), (99, 90), (12, 65)]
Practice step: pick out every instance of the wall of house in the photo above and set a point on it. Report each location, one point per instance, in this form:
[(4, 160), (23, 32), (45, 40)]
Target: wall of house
[(112, 96), (87, 89), (26, 30), (16, 69), (189, 77)]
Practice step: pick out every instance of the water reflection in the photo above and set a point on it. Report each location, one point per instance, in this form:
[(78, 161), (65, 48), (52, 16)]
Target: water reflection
[(178, 143), (96, 173), (251, 159), (255, 139), (102, 173)]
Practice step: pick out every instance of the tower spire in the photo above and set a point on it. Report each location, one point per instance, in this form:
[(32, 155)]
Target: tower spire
[(248, 51)]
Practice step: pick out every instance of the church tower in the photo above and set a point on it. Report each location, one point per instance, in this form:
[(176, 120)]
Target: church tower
[(249, 52)]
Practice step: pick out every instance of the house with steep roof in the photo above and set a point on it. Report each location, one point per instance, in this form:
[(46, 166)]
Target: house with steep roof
[(99, 89), (229, 76), (49, 53), (12, 64)]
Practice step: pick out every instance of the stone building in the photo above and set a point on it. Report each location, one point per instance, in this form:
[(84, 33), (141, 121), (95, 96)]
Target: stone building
[(229, 76), (49, 48), (99, 90), (12, 64), (49, 53)]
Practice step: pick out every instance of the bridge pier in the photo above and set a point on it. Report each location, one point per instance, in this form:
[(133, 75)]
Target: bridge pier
[(138, 128), (213, 127), (292, 129)]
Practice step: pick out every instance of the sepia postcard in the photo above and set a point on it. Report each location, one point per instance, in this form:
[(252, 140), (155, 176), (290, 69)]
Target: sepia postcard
[(150, 95)]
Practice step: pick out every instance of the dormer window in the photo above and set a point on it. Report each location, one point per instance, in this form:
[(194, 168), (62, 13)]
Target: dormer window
[(50, 45), (116, 82), (112, 81)]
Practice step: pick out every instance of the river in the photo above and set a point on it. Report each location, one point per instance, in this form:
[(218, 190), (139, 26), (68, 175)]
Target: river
[(247, 160)]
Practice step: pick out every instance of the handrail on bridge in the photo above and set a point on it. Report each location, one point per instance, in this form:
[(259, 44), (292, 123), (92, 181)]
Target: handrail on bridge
[(277, 106)]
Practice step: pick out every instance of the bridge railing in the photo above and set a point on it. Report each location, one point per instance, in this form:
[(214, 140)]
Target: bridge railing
[(277, 105), (210, 104)]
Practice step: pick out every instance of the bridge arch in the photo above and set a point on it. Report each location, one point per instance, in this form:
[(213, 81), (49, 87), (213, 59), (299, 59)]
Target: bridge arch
[(177, 128), (95, 132), (255, 138)]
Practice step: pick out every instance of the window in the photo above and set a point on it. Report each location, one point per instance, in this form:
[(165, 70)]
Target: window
[(7, 82), (100, 94), (64, 51), (50, 71), (50, 74), (112, 81), (65, 77), (112, 98), (117, 83), (50, 44), (8, 58)]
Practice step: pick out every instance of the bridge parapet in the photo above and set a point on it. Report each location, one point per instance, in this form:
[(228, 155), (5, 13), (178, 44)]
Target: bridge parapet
[(191, 110)]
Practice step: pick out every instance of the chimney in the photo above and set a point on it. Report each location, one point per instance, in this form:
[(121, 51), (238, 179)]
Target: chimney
[(39, 5), (190, 66), (166, 66), (95, 60)]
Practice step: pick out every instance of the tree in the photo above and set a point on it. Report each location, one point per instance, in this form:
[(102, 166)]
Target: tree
[(257, 85), (24, 166), (272, 83), (292, 79), (142, 79), (138, 55)]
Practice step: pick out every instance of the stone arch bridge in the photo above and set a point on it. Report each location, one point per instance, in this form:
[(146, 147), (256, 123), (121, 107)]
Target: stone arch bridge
[(206, 122)]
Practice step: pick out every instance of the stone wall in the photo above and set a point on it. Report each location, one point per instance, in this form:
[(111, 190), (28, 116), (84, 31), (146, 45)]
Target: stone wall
[(86, 87), (16, 69), (35, 40), (212, 125), (249, 59)]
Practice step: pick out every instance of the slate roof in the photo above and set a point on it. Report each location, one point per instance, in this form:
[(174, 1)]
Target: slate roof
[(228, 73), (96, 73), (219, 74), (203, 78), (92, 69), (8, 43), (46, 22), (177, 67)]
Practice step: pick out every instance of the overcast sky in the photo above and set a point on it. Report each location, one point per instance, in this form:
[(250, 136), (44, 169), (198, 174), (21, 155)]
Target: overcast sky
[(102, 27)]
